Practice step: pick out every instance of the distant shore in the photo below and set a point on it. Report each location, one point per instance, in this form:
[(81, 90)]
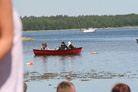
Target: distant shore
[(81, 29)]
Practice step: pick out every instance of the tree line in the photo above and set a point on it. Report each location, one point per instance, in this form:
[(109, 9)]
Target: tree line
[(77, 22)]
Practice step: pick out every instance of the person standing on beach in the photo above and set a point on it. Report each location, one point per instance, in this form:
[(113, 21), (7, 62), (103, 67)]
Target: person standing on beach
[(65, 87), (25, 87), (121, 87), (11, 60)]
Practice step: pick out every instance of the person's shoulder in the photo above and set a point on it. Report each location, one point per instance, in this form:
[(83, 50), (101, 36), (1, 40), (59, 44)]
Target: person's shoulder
[(71, 45)]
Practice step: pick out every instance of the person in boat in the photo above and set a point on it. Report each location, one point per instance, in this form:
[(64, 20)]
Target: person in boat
[(70, 46), (44, 46), (63, 46)]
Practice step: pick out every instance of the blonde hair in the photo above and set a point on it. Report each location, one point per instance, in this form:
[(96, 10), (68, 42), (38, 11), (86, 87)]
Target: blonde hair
[(69, 43)]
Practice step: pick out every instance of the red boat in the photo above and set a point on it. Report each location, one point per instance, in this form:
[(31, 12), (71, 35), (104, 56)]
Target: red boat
[(57, 52)]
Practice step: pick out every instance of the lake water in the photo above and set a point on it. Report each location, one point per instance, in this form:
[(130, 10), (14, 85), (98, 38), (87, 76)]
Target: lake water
[(116, 61)]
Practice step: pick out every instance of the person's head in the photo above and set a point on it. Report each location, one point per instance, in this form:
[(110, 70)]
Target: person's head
[(121, 87), (25, 87), (69, 43), (63, 43), (65, 87), (44, 43)]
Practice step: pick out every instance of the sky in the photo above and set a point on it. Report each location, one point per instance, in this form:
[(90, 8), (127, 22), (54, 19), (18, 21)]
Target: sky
[(75, 7)]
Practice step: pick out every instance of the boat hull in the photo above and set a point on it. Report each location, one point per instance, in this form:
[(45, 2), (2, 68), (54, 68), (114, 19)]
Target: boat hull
[(57, 52)]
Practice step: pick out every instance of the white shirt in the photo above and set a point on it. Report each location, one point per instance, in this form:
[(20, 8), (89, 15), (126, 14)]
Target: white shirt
[(11, 67)]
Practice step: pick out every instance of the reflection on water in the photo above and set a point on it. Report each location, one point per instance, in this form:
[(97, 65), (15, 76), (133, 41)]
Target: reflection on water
[(44, 58), (55, 63), (68, 55), (93, 74), (61, 57)]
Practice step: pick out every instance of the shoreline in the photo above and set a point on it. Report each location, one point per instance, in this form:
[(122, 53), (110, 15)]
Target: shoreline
[(79, 29)]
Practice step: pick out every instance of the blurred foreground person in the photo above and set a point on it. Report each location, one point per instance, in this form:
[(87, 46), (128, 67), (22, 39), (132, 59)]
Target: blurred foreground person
[(25, 87), (65, 87), (121, 87), (11, 68)]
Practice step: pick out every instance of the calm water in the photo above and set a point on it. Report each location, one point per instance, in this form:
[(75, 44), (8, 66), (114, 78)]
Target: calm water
[(116, 61)]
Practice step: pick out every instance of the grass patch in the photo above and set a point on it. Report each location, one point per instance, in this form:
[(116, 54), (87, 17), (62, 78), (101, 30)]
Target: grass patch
[(28, 39)]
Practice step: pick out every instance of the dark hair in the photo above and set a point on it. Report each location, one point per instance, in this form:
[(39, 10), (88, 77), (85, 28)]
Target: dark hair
[(63, 42), (121, 87), (65, 87)]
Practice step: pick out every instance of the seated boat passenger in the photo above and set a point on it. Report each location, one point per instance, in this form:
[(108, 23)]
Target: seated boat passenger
[(44, 46), (63, 46), (70, 46)]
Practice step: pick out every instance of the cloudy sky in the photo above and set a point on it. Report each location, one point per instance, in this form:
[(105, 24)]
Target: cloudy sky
[(75, 7)]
